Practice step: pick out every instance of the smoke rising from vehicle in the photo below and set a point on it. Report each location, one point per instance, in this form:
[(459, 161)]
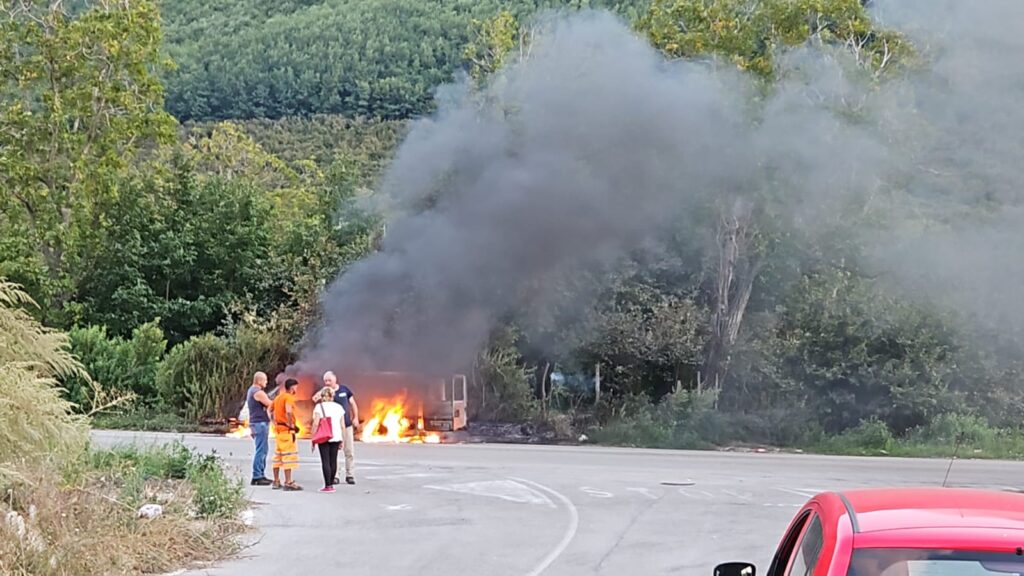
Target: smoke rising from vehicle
[(586, 150), (595, 145)]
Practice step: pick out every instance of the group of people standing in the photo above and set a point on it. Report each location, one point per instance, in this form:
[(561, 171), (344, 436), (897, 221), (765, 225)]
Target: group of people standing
[(333, 401)]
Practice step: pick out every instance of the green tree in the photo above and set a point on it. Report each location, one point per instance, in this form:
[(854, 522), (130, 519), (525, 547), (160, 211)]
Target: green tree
[(492, 40), (853, 353), (750, 34), (80, 99)]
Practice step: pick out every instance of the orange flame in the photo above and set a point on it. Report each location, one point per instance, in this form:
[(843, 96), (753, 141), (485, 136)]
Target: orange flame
[(241, 430), (390, 423)]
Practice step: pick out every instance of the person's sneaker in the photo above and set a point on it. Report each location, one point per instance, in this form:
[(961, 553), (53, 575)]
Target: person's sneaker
[(261, 482), (350, 480), (327, 489), (336, 481)]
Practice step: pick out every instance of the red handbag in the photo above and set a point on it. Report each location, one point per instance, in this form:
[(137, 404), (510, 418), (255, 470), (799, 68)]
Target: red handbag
[(324, 431)]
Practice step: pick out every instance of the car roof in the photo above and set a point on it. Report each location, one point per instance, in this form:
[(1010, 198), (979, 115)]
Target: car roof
[(874, 510)]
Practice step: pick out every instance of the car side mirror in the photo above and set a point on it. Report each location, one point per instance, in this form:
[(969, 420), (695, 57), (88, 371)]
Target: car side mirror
[(735, 569)]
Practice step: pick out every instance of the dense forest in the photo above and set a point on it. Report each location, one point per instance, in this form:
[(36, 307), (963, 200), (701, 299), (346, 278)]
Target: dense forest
[(185, 181), (377, 58)]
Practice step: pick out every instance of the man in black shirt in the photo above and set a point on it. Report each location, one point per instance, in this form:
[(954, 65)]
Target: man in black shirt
[(343, 395)]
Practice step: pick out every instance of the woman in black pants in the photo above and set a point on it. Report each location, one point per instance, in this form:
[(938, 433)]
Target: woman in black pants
[(328, 408)]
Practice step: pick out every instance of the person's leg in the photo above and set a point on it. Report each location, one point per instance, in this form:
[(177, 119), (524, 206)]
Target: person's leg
[(278, 460), (350, 455), (289, 458), (325, 463), (260, 433), (334, 446)]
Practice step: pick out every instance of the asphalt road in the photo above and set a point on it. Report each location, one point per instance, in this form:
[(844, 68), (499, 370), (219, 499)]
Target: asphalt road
[(496, 510)]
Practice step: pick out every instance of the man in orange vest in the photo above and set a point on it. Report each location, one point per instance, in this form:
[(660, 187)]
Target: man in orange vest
[(286, 451)]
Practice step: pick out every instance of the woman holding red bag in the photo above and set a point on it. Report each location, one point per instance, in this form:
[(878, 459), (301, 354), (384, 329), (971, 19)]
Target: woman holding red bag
[(328, 432)]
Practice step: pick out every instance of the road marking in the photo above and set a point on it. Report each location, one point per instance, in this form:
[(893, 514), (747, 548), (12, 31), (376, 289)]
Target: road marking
[(406, 475), (803, 493), (644, 491), (570, 532), (504, 489), (734, 494), (398, 507), (697, 494), (596, 493)]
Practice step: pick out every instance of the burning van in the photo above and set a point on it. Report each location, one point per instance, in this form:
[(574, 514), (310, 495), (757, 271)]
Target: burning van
[(403, 407)]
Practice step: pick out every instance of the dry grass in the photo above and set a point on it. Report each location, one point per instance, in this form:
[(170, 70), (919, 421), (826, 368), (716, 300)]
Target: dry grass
[(66, 510), (85, 522)]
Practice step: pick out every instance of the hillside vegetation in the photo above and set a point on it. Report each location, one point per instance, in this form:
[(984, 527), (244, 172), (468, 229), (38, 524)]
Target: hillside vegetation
[(376, 58), (182, 223)]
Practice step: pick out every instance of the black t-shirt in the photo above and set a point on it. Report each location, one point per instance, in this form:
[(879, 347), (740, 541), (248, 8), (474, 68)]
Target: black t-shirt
[(342, 396)]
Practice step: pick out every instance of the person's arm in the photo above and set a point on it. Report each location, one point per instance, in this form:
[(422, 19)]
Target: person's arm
[(355, 412), (289, 410), (316, 417), (262, 398)]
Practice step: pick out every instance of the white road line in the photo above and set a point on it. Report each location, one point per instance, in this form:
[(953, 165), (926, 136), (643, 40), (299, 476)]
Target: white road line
[(704, 495), (406, 475), (596, 493), (504, 489), (644, 491), (802, 493), (734, 494), (570, 532)]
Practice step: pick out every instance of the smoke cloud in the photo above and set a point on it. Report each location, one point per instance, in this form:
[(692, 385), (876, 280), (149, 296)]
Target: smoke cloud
[(955, 234), (595, 145)]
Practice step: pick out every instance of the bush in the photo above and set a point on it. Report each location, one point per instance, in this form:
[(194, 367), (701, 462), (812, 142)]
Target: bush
[(870, 436), (683, 419), (193, 375), (118, 364), (948, 429), (216, 495), (146, 419), (501, 385), (638, 430), (206, 376), (213, 493)]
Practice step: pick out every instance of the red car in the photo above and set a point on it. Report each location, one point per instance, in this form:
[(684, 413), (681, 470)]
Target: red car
[(901, 532)]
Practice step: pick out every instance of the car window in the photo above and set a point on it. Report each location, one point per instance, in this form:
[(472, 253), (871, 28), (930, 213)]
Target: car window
[(947, 568), (784, 553), (805, 555), (933, 562)]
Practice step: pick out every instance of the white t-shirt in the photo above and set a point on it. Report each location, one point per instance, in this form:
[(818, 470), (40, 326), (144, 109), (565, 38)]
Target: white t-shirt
[(336, 414)]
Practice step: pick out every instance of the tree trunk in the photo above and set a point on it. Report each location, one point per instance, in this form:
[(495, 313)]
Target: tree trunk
[(737, 272)]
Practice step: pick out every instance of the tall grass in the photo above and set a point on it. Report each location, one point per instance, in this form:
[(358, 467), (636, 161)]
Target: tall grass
[(37, 422)]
